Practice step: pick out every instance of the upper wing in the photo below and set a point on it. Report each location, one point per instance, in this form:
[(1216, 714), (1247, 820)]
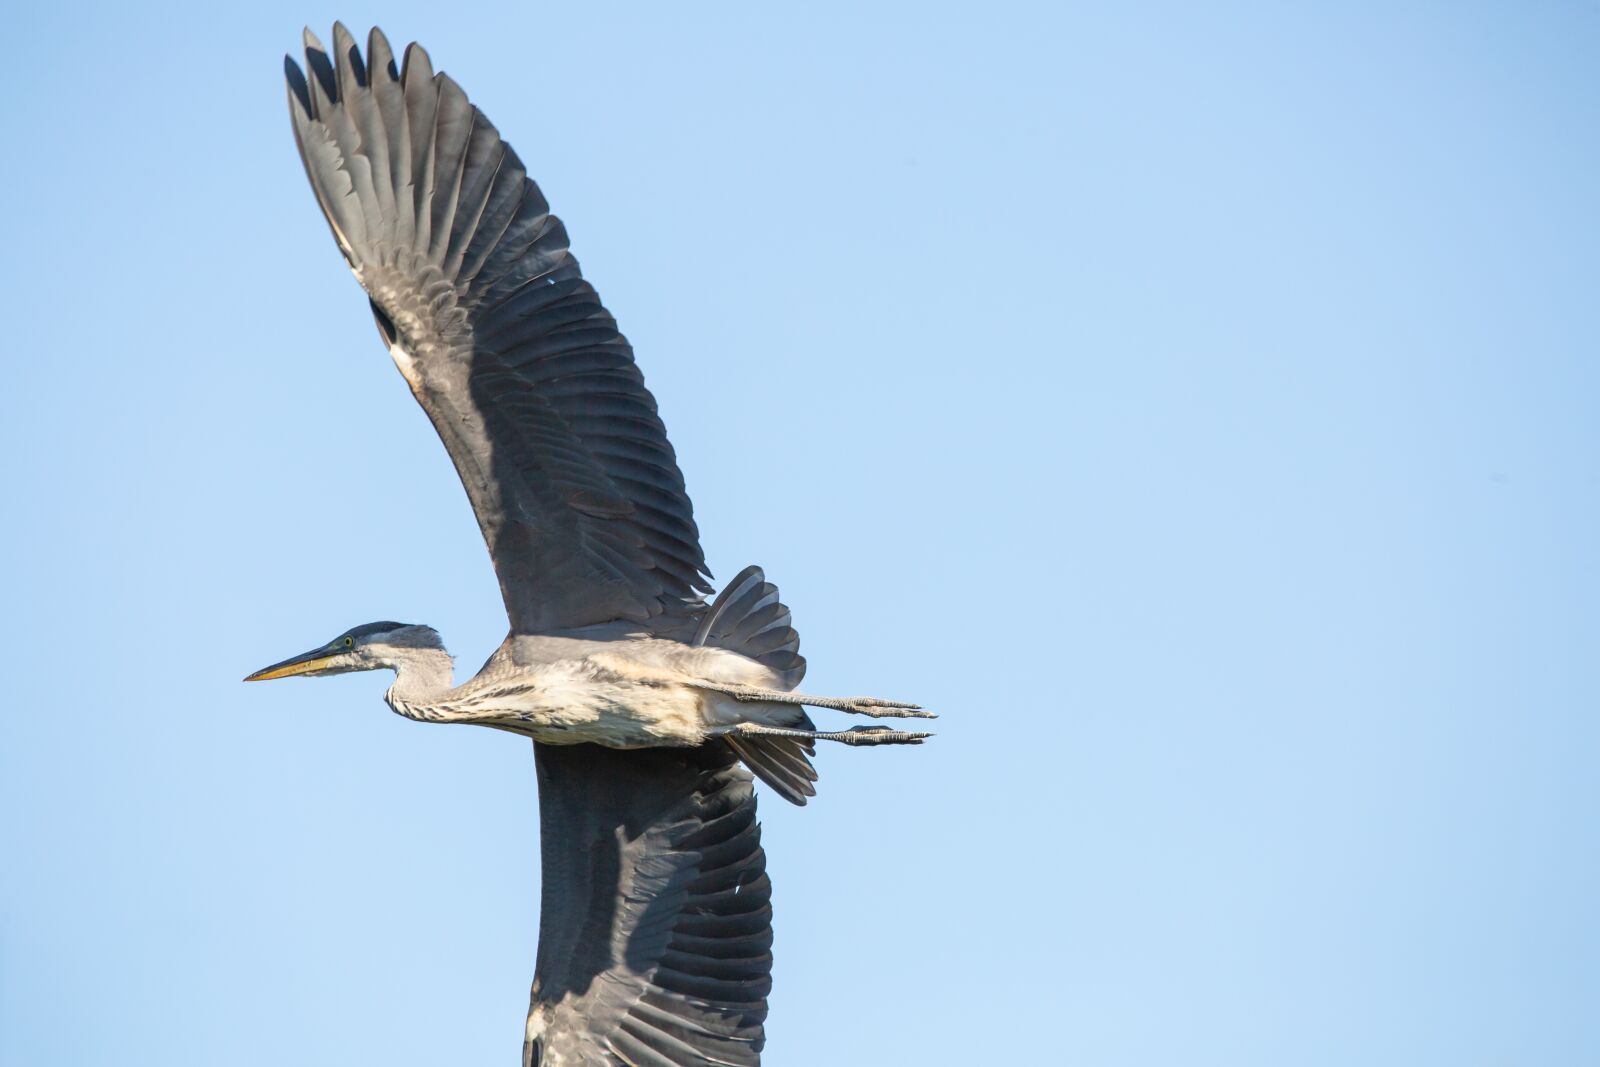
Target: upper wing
[(507, 348), (655, 926)]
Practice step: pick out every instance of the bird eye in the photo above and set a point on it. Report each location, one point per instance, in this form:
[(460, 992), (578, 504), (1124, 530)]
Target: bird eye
[(349, 642)]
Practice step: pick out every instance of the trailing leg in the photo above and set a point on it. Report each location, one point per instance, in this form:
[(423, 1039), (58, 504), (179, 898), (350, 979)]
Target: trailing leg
[(876, 707), (856, 735)]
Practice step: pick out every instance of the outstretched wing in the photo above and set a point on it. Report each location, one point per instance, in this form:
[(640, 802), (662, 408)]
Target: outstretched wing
[(655, 927), (506, 347)]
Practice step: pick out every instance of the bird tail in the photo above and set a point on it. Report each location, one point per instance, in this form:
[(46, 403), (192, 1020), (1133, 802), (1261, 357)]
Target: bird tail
[(748, 618), (782, 762)]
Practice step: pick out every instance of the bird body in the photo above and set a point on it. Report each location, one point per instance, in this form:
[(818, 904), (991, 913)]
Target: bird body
[(628, 691), (649, 707)]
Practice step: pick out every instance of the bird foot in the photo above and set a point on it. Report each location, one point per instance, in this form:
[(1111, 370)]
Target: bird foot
[(878, 708)]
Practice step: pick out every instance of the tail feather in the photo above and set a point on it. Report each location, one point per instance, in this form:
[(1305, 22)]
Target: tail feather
[(781, 763), (748, 618)]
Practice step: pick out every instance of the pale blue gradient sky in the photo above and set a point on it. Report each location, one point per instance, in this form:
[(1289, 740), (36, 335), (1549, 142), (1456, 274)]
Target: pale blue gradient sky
[(1196, 407)]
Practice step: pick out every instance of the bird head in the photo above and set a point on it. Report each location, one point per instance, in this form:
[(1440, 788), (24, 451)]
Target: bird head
[(360, 648)]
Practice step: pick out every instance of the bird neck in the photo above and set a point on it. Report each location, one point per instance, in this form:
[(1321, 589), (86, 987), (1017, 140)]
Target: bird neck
[(421, 677)]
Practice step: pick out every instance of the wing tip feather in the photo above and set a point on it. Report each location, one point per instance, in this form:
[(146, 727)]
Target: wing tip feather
[(416, 59), (380, 55), (347, 55), (299, 91)]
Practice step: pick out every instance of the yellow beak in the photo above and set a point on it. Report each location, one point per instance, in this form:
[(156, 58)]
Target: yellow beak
[(302, 664)]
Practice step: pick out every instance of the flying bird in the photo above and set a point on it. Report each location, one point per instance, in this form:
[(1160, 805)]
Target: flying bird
[(648, 706)]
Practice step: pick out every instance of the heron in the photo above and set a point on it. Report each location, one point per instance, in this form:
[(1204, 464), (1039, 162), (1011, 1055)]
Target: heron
[(650, 707)]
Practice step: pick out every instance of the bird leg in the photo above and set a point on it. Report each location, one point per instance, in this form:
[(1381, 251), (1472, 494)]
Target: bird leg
[(876, 707), (856, 735)]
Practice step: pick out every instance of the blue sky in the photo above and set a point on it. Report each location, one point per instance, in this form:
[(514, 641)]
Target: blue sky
[(1196, 407)]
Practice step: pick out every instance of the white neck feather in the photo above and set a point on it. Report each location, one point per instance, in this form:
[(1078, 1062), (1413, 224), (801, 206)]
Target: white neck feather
[(421, 676)]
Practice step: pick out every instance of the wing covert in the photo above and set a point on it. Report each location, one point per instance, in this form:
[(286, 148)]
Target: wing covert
[(522, 371)]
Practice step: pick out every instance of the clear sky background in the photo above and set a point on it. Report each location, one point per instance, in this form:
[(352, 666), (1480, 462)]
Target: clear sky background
[(1193, 403)]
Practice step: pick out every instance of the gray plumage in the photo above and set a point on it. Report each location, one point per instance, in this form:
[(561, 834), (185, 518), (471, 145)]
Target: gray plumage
[(692, 926), (523, 372), (642, 699)]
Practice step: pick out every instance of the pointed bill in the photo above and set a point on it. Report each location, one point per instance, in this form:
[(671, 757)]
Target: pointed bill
[(305, 663)]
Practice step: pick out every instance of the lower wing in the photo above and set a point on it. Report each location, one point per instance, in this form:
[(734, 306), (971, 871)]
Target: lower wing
[(655, 926)]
